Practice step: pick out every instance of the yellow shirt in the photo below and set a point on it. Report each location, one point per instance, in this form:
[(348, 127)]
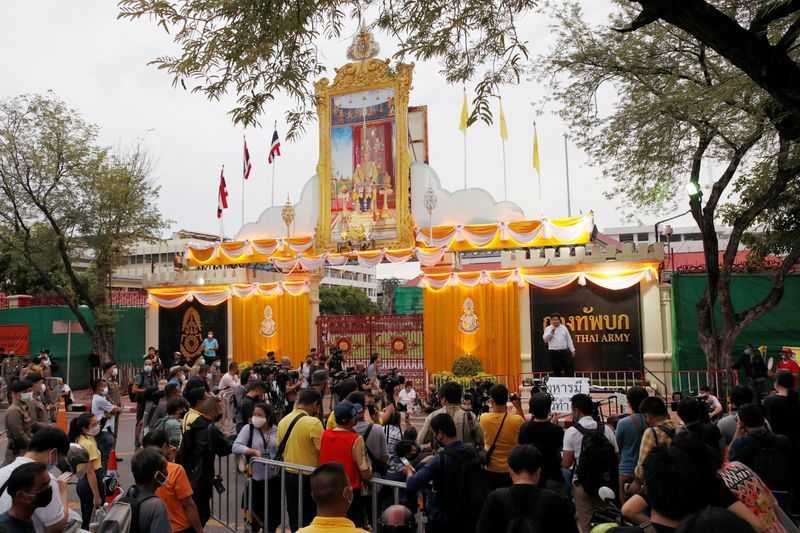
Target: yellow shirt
[(304, 442), (88, 443), (506, 441), (330, 524), (190, 417)]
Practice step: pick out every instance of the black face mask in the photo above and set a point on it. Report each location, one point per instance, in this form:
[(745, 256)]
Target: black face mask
[(43, 498)]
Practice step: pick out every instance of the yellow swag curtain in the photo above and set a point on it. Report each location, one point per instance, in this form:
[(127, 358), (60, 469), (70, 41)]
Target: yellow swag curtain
[(496, 342), (291, 314)]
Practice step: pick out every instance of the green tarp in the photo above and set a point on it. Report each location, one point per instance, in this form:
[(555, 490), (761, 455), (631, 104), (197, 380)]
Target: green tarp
[(128, 346), (779, 327), (408, 300)]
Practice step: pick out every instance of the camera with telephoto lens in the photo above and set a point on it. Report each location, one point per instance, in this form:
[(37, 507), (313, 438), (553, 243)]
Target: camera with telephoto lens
[(265, 369), (390, 381), (284, 376), (218, 485), (478, 394)]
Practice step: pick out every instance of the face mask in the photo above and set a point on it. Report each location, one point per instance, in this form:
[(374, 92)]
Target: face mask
[(46, 362), (42, 387), (26, 396), (259, 421), (201, 362), (747, 351), (43, 498), (52, 465), (148, 369), (217, 364), (93, 431), (210, 336), (104, 391), (115, 372), (184, 379), (160, 478)]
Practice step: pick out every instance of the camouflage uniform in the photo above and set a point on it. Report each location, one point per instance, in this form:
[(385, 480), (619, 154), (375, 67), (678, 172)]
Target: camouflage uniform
[(18, 429)]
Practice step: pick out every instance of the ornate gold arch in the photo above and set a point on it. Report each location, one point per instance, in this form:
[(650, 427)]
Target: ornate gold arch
[(355, 77)]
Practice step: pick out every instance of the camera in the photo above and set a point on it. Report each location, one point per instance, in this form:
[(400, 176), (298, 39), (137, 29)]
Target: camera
[(335, 361), (390, 381), (265, 369), (218, 485), (536, 384), (478, 394)]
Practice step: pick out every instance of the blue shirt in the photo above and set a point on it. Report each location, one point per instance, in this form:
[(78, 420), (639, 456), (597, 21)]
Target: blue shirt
[(445, 482), (629, 439), (210, 347)]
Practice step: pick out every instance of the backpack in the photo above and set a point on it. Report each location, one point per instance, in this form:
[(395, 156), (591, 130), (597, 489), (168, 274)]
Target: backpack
[(520, 515), (770, 463), (123, 516), (464, 505), (598, 461), (161, 423)]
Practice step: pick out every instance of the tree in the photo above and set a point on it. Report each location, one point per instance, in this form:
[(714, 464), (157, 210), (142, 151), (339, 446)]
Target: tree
[(66, 201), (388, 285), (346, 301), (681, 107), (258, 49)]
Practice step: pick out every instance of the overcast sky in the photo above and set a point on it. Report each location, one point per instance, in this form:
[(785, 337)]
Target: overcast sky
[(98, 65)]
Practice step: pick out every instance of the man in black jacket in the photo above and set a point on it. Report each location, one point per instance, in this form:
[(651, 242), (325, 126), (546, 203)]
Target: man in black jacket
[(201, 444)]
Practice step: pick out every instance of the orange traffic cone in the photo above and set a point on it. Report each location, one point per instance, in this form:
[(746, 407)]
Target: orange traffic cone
[(111, 470), (61, 417)]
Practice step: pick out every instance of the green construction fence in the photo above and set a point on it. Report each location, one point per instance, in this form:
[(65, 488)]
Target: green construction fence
[(129, 342), (408, 300), (779, 327)]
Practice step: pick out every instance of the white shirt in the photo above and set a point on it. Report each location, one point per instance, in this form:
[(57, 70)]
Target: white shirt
[(558, 339), (101, 406), (43, 516), (573, 439), (228, 382), (304, 371), (407, 397)]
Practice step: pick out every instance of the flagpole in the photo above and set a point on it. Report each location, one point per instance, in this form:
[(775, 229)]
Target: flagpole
[(244, 169), (505, 180), (274, 164), (465, 159), (222, 212), (566, 161)]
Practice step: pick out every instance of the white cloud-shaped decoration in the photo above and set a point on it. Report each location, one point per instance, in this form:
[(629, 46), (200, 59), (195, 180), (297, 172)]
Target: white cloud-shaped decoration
[(466, 206), (270, 224)]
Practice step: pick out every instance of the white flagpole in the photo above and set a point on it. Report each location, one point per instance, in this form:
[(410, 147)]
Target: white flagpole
[(505, 180), (465, 158), (222, 209), (274, 164), (244, 142)]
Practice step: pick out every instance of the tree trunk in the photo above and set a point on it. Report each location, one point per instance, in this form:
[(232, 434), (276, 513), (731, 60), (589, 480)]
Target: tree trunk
[(103, 341)]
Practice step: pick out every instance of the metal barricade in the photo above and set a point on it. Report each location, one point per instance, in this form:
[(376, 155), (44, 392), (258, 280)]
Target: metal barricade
[(223, 510), (375, 485)]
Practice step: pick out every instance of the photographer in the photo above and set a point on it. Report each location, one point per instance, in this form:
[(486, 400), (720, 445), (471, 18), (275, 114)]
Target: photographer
[(289, 387), (363, 381), (467, 428), (336, 361)]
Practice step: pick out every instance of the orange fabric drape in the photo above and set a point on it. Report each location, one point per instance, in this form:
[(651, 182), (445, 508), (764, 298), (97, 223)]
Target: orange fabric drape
[(291, 314), (496, 342)]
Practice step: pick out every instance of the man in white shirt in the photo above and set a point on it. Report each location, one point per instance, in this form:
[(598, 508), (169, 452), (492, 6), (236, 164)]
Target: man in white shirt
[(406, 398), (45, 447), (582, 409), (105, 412), (230, 381), (560, 349)]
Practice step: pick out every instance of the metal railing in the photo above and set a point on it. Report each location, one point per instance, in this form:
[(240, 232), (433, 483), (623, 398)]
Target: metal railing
[(375, 485)]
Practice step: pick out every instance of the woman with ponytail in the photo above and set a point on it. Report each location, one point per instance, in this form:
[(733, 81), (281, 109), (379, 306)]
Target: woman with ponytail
[(82, 431)]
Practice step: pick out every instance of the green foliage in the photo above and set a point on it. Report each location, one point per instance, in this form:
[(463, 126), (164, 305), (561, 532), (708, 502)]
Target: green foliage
[(466, 365), (67, 200), (346, 301), (259, 49)]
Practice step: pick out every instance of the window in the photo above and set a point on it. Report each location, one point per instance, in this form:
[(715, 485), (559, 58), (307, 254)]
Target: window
[(626, 237), (693, 237), (643, 237)]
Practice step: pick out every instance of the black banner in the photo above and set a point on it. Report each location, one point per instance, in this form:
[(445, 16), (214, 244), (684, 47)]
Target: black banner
[(605, 325), (183, 328)]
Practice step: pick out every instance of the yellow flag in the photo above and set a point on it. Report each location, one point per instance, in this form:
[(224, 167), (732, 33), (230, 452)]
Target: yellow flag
[(503, 126), (462, 123), (536, 150)]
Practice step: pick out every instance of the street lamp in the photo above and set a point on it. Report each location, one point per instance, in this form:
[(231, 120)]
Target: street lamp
[(693, 189), (430, 204)]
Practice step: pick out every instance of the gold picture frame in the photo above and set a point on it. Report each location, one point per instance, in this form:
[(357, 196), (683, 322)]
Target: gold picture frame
[(354, 78)]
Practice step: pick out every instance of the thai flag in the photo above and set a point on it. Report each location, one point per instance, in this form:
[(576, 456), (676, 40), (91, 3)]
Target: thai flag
[(222, 197), (247, 167), (275, 149)]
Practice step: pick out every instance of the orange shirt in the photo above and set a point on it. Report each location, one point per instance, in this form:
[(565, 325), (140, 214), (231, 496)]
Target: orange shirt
[(176, 489)]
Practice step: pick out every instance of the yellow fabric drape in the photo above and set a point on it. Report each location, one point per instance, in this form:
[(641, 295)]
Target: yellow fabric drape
[(496, 342), (291, 314)]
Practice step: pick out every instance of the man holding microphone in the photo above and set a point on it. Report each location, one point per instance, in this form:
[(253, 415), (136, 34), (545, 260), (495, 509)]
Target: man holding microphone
[(559, 347)]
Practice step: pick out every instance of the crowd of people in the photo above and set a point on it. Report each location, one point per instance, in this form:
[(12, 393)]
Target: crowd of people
[(712, 466)]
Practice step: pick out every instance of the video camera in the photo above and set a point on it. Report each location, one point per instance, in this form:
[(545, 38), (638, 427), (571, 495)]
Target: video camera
[(705, 407), (270, 371), (390, 381), (335, 361), (478, 394)]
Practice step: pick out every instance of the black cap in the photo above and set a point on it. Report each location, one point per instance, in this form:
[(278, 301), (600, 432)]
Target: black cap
[(108, 365), (34, 378), (21, 385)]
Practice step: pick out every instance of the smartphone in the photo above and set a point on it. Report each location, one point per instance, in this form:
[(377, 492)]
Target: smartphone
[(65, 476), (407, 463)]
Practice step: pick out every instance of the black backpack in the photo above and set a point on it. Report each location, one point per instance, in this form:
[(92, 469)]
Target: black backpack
[(597, 466), (770, 462), (521, 514), (464, 505)]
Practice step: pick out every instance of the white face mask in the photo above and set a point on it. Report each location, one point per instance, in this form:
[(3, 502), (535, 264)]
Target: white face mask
[(46, 362), (93, 431), (115, 372), (42, 387), (259, 421), (147, 369), (26, 396), (201, 362), (104, 391)]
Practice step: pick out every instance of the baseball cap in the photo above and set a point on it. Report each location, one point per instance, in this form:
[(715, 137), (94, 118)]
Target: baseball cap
[(345, 411), (319, 377)]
